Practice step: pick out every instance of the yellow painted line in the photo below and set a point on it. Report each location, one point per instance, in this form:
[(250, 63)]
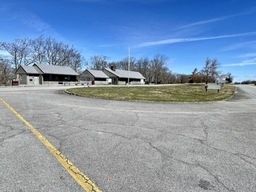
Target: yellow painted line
[(79, 177)]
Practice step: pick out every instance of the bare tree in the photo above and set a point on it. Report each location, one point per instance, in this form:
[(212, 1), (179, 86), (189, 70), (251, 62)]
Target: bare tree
[(210, 69), (182, 78), (57, 53), (167, 76), (42, 51), (143, 66), (19, 50), (158, 68), (99, 62), (6, 72), (196, 77), (37, 50), (124, 64), (172, 78)]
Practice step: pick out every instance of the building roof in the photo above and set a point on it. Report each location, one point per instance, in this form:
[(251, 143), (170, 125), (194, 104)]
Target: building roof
[(54, 69), (126, 74), (28, 69), (97, 73)]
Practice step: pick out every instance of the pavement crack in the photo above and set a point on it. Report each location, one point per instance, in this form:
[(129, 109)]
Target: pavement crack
[(239, 155), (193, 138), (108, 132), (10, 134), (206, 132), (158, 150), (57, 139), (216, 178), (78, 174), (170, 157), (242, 156)]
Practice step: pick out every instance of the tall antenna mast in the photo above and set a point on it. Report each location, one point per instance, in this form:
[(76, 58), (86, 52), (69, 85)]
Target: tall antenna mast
[(129, 65)]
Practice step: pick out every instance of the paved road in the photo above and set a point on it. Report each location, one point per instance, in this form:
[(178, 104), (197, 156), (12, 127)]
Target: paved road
[(128, 146)]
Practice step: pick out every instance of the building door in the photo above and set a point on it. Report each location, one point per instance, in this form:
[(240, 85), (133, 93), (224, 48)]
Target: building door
[(36, 80)]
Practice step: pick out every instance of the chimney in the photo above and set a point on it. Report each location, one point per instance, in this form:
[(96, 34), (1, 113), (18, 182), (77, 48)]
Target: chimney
[(113, 67)]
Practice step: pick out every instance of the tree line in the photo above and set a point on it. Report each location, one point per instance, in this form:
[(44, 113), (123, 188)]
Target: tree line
[(156, 71), (49, 51), (41, 51)]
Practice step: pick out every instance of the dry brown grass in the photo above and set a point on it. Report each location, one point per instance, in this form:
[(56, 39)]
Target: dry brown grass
[(179, 93)]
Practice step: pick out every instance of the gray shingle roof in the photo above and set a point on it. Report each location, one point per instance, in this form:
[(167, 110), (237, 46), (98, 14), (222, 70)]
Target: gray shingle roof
[(29, 69), (97, 73), (53, 69), (126, 74)]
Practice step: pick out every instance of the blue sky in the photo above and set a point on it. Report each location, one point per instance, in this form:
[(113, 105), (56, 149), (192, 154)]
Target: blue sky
[(186, 31)]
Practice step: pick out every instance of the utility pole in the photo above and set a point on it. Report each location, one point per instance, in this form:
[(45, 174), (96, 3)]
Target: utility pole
[(129, 65)]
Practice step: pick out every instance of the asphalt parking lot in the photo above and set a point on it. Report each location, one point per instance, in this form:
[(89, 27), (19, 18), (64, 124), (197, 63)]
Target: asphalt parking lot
[(127, 146)]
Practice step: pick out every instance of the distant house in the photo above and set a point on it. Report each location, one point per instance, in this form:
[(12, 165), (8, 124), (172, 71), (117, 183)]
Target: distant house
[(120, 77), (40, 74), (97, 77), (221, 79), (28, 75)]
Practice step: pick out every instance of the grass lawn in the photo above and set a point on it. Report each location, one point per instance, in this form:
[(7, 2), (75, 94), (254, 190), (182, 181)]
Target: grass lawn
[(179, 93)]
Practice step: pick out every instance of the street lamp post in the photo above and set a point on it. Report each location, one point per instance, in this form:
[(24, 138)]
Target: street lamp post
[(129, 65)]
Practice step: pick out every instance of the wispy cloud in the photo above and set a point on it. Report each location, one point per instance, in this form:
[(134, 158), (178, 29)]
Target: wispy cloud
[(247, 55), (240, 46), (247, 59), (34, 22), (26, 18), (203, 22), (182, 40), (34, 25), (213, 20), (241, 64)]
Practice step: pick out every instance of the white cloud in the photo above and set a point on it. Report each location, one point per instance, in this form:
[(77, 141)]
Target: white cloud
[(181, 40), (240, 46), (203, 22), (247, 59), (247, 55), (241, 64), (34, 22), (213, 20)]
